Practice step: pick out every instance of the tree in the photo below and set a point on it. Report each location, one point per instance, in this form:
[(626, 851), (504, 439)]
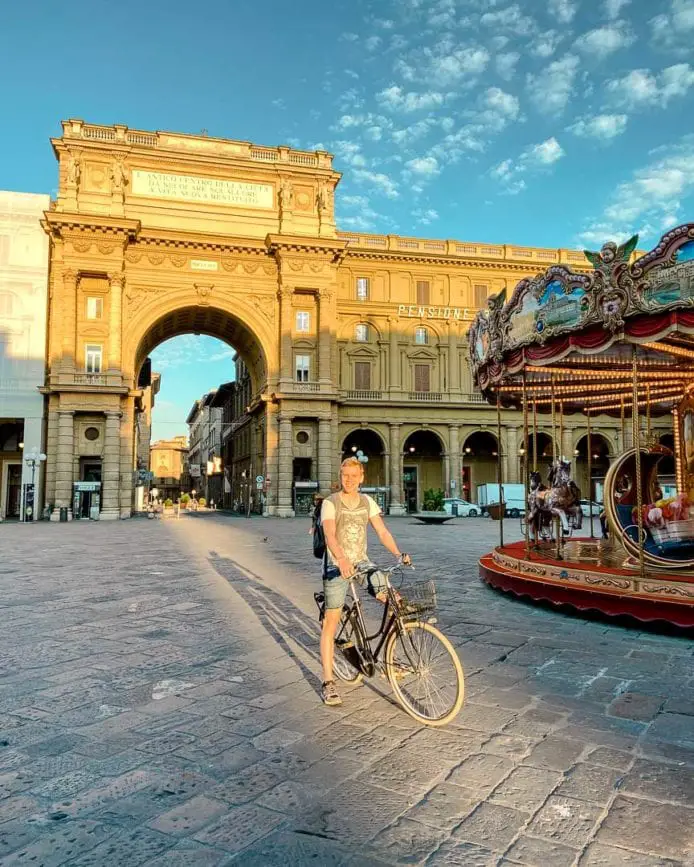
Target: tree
[(433, 500)]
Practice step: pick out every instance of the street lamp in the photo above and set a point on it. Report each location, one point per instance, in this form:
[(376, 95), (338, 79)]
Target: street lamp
[(31, 460)]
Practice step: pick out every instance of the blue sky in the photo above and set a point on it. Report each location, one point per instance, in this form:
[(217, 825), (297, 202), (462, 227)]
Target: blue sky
[(546, 122)]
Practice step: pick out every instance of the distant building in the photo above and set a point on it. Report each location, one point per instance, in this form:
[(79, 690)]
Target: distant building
[(238, 446), (23, 306), (167, 461), (205, 441)]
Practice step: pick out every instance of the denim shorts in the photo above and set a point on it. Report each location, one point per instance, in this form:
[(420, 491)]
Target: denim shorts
[(335, 586)]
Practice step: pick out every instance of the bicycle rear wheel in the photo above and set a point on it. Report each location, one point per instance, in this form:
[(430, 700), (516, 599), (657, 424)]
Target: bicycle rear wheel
[(346, 657), (425, 672)]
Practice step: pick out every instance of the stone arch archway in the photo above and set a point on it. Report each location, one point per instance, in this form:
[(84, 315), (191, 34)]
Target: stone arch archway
[(423, 458), (480, 455), (371, 444), (600, 463)]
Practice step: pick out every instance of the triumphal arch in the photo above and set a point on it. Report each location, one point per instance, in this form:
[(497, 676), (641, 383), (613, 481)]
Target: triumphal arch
[(159, 234)]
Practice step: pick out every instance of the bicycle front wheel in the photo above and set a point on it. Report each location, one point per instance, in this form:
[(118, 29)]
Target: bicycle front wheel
[(346, 657), (425, 672)]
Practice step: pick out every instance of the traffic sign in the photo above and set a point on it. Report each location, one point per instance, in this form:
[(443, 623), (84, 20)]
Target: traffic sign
[(260, 479)]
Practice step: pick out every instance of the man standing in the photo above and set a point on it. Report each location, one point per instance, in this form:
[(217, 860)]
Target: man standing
[(345, 517)]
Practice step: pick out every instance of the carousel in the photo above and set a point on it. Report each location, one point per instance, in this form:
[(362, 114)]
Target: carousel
[(619, 341)]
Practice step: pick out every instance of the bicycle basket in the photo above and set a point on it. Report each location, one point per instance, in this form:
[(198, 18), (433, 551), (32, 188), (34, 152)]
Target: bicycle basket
[(417, 598)]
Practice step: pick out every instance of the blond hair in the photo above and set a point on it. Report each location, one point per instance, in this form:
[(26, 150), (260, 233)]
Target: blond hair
[(352, 462)]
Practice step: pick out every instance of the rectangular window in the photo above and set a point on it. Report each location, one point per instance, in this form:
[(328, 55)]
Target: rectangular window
[(303, 321), (481, 294), (95, 308), (92, 358), (421, 336), (362, 375), (361, 333), (423, 294), (362, 288), (421, 377), (303, 367)]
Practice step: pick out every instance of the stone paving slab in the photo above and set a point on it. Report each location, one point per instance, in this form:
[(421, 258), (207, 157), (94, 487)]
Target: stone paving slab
[(159, 705)]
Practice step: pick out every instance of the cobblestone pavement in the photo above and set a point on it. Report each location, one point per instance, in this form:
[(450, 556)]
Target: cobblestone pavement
[(158, 705)]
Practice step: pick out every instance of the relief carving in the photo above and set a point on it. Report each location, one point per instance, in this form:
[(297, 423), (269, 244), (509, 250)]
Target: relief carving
[(132, 256), (250, 267), (177, 261), (106, 248), (82, 246), (263, 304), (155, 258), (230, 265), (204, 293), (136, 296)]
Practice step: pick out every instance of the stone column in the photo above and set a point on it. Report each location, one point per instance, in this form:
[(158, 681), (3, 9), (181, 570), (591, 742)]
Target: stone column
[(327, 316), (64, 464), (454, 453), (284, 476), (286, 356), (453, 363), (324, 455), (271, 459), (336, 447), (110, 477), (115, 323), (396, 506), (394, 357), (127, 456), (513, 457), (69, 350), (447, 474), (386, 470)]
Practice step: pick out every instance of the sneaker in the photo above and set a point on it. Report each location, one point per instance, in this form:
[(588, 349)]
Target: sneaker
[(330, 695)]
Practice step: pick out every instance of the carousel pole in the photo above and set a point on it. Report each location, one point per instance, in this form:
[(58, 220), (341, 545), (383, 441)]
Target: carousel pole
[(590, 477), (679, 475), (526, 457), (554, 458), (535, 436), (623, 425), (636, 436), (499, 472), (648, 413)]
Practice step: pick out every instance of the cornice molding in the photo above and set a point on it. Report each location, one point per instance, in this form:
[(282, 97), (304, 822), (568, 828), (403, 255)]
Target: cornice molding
[(59, 224), (446, 261)]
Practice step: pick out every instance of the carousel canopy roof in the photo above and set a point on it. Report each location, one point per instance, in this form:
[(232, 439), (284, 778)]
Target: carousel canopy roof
[(596, 342)]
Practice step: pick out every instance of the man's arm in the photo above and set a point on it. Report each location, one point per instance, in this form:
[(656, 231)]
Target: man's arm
[(329, 528), (386, 539)]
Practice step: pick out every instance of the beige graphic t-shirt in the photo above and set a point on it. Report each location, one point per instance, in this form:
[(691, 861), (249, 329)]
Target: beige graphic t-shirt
[(350, 525)]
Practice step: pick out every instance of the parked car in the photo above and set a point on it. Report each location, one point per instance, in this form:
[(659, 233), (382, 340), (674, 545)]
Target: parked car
[(586, 508), (464, 509)]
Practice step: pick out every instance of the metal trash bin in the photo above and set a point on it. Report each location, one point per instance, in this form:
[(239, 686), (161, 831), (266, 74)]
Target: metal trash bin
[(454, 510), (63, 513)]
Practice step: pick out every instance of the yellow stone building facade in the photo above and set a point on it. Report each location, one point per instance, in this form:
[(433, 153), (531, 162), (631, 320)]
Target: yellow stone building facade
[(352, 342)]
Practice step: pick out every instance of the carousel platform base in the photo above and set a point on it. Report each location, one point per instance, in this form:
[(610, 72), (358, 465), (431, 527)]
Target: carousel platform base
[(593, 575)]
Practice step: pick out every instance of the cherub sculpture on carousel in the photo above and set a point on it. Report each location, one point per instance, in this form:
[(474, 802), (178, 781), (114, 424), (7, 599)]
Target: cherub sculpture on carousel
[(562, 499)]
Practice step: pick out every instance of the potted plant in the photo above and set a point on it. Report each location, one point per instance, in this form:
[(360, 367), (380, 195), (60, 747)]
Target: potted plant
[(202, 501)]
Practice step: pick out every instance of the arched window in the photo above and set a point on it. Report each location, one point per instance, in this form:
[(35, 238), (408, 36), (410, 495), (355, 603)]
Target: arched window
[(421, 336), (361, 333)]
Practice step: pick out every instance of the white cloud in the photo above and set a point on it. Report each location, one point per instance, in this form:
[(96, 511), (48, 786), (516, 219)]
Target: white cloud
[(220, 356), (506, 64), (371, 43), (414, 132), (545, 153), (423, 166), (511, 18), (673, 30), (651, 198), (497, 109), (562, 10), (546, 43), (640, 88), (349, 37), (551, 89), (444, 64), (385, 23), (536, 158), (604, 41), (350, 153), (613, 8), (395, 99), (425, 216), (600, 126), (379, 181)]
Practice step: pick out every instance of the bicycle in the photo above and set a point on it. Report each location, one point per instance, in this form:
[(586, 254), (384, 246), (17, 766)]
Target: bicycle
[(409, 642)]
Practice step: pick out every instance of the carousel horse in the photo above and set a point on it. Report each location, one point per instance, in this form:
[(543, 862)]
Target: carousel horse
[(539, 515), (564, 497)]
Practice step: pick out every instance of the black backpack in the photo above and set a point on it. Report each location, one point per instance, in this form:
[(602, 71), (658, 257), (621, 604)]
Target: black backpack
[(318, 533)]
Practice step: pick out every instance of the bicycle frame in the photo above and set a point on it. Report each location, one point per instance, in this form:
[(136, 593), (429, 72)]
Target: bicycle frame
[(389, 618)]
